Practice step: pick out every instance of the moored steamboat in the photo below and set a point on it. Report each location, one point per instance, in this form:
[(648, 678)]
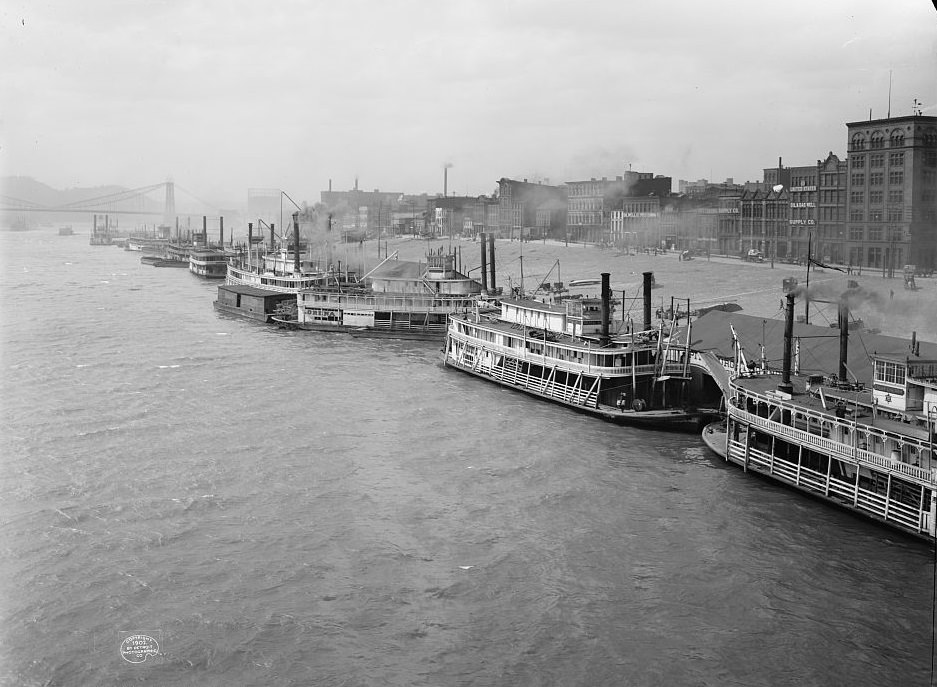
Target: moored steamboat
[(565, 354)]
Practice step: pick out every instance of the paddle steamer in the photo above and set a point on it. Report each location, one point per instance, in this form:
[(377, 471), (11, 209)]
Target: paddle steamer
[(565, 353), (868, 449)]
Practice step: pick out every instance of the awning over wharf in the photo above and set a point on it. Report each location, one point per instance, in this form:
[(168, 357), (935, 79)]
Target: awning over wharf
[(819, 346)]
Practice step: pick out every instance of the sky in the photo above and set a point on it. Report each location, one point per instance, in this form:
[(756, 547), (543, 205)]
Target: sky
[(221, 97)]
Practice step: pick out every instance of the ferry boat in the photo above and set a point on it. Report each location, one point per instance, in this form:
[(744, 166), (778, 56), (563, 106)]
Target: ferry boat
[(566, 354), (398, 298), (867, 449)]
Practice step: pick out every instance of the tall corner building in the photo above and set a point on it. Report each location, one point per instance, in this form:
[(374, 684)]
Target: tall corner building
[(891, 193)]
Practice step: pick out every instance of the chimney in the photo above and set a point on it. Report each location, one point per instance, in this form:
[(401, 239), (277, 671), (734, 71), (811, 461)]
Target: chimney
[(606, 308), (297, 269), (484, 264), (843, 339), (785, 386), (648, 276), (491, 251)]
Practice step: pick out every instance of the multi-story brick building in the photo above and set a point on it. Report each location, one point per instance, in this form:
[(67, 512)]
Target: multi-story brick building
[(592, 203), (891, 193), (518, 205), (829, 239)]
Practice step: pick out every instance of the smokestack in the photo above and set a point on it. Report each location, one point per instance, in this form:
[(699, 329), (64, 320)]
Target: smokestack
[(297, 269), (913, 343), (491, 250), (204, 230), (221, 231), (648, 276), (843, 339), (272, 237), (484, 264), (606, 307), (250, 234), (330, 185), (445, 182), (785, 386)]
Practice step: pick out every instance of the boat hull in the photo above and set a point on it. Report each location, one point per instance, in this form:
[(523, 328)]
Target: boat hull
[(671, 419)]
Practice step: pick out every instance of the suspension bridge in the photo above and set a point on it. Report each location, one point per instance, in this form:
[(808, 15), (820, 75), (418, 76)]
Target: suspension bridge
[(156, 200)]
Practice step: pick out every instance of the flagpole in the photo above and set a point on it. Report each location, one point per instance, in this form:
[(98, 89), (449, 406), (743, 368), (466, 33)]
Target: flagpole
[(807, 290)]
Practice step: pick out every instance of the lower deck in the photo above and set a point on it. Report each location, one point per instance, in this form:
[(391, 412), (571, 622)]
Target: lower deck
[(878, 494)]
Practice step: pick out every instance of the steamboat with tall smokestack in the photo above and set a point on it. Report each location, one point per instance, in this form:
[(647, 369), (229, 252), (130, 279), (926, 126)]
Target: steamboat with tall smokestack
[(573, 354), (865, 446)]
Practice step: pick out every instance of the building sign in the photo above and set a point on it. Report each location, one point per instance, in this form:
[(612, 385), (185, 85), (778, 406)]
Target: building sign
[(803, 205), (637, 214), (802, 221), (795, 189)]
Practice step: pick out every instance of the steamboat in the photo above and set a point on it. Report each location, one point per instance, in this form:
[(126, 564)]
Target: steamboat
[(869, 449), (565, 353)]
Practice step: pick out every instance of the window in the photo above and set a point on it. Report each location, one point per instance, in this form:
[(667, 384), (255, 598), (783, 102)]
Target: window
[(894, 214), (857, 197), (855, 233), (858, 142), (856, 215), (876, 160), (897, 139), (875, 197), (877, 140), (858, 162), (858, 179), (875, 233), (930, 158), (889, 373), (896, 177), (896, 195), (877, 178), (896, 159)]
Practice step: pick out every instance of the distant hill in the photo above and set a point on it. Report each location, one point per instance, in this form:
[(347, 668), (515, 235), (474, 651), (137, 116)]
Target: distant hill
[(30, 190)]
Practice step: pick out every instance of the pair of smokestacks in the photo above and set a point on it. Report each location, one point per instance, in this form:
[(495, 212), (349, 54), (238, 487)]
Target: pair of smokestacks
[(785, 385), (607, 304)]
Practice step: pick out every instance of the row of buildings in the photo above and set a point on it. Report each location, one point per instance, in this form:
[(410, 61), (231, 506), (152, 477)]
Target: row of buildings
[(876, 207)]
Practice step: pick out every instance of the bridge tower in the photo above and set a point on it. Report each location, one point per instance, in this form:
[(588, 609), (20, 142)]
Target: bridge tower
[(169, 210)]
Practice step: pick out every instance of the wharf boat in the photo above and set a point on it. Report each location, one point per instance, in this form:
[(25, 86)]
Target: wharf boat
[(250, 302), (869, 449), (566, 354), (398, 298), (66, 231)]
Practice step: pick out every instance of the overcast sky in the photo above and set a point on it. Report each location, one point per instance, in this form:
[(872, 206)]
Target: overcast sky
[(226, 96)]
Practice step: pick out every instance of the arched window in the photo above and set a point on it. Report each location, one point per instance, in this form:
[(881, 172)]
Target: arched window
[(858, 142), (897, 139), (877, 140), (930, 137)]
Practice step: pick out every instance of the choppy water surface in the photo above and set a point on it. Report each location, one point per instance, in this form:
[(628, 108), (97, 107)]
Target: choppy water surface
[(280, 508)]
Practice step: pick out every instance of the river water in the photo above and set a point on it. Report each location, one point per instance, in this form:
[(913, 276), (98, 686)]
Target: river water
[(294, 508)]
